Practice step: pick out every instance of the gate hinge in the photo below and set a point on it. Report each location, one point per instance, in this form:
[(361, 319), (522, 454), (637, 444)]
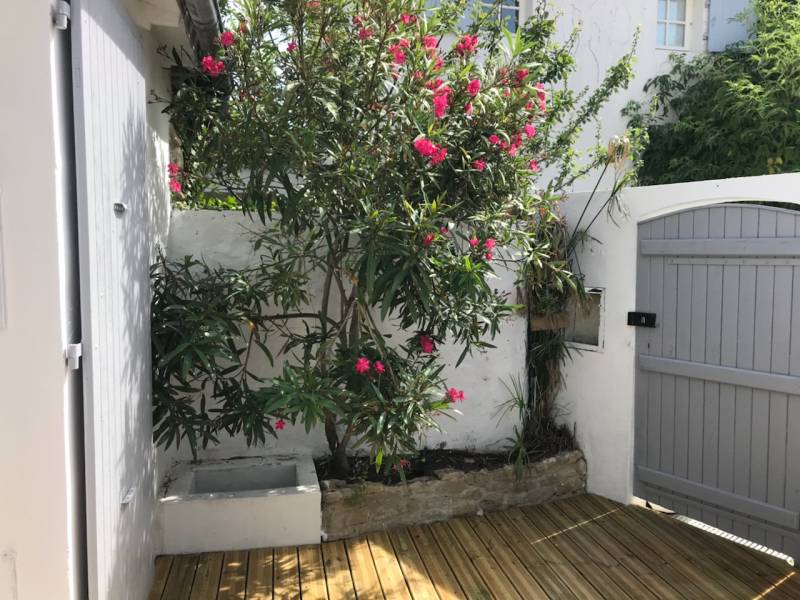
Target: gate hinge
[(73, 354), (61, 15)]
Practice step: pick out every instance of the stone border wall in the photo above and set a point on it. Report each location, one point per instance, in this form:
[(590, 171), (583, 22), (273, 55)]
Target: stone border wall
[(354, 509)]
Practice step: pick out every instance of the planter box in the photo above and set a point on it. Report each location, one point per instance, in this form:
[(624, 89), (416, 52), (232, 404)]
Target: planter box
[(550, 322), (240, 503), (355, 509)]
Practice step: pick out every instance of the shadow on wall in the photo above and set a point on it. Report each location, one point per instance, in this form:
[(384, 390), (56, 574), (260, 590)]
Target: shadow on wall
[(132, 175)]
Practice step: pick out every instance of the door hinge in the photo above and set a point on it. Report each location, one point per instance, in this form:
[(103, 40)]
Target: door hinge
[(73, 354), (61, 15)]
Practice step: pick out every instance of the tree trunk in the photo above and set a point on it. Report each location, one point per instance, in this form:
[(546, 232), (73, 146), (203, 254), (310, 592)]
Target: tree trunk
[(339, 465)]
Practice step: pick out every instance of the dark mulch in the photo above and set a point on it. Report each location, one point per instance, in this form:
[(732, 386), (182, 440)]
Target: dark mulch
[(426, 463)]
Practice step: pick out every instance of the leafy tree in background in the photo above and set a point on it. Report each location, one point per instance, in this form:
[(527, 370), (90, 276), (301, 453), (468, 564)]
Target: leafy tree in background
[(728, 114), (391, 157)]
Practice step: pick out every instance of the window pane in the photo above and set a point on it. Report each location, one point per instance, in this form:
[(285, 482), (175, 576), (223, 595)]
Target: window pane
[(662, 10), (585, 319), (677, 10), (509, 16), (675, 35), (661, 35)]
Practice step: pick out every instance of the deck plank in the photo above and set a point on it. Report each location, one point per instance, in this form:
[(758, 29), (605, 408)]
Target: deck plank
[(469, 578), (417, 578), (493, 575), (162, 567), (725, 568), (520, 577), (287, 575), (584, 547), (337, 571), (362, 569), (606, 518), (181, 576), (527, 553), (260, 574), (443, 578), (233, 582), (207, 576), (387, 566), (312, 573), (595, 573), (656, 586)]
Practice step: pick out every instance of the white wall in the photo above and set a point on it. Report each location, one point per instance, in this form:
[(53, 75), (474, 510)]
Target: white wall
[(40, 522), (599, 393), (607, 31), (221, 238)]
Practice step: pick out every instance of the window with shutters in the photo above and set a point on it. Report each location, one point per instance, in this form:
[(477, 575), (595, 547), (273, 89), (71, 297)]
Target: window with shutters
[(672, 22)]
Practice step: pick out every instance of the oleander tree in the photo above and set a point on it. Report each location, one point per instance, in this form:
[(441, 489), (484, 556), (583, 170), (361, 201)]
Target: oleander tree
[(394, 156)]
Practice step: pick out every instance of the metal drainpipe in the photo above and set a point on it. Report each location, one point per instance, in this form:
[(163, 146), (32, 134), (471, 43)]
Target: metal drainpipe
[(203, 23)]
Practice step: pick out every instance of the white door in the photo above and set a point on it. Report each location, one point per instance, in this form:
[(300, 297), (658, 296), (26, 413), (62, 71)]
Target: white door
[(114, 238)]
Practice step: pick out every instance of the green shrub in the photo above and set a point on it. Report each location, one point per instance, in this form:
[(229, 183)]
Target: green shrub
[(386, 161), (730, 114)]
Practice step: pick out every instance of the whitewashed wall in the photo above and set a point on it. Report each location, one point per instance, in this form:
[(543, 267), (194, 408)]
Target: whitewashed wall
[(607, 32), (40, 469), (222, 238), (599, 394)]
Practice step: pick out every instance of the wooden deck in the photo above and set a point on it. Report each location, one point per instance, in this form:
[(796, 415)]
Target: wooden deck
[(584, 547)]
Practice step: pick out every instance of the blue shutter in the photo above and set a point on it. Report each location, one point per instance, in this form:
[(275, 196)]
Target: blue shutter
[(722, 29)]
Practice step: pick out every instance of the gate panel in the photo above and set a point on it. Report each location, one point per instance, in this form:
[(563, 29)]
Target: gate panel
[(110, 99), (718, 379)]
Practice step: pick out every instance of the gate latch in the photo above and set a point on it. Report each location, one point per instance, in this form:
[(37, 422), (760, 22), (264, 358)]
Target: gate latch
[(641, 319)]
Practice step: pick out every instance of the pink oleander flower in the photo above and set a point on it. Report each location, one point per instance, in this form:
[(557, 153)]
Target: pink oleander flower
[(489, 255), (444, 230), (438, 63), (542, 96), (403, 43), (455, 395), (211, 66), (434, 84), (473, 242), (398, 56), (490, 243), (404, 463), (440, 104), (408, 19), (424, 146), (430, 42), (438, 157), (280, 424), (468, 108), (418, 75), (426, 343), (357, 20), (521, 74), (175, 186), (512, 150), (364, 33), (227, 39), (291, 46), (478, 165), (474, 87), (427, 239), (507, 92), (530, 130), (173, 169), (494, 139), (362, 365), (533, 165), (379, 368), (313, 4), (467, 45)]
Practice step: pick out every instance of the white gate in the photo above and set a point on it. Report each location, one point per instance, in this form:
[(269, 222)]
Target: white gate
[(114, 236), (718, 381)]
